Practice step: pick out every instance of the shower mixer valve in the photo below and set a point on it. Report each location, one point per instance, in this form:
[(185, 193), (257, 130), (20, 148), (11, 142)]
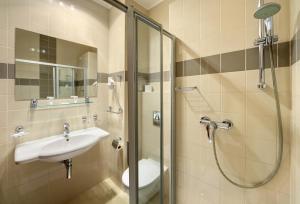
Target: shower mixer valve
[(211, 126)]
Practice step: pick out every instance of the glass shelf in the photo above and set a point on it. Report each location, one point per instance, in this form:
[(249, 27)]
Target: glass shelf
[(60, 105)]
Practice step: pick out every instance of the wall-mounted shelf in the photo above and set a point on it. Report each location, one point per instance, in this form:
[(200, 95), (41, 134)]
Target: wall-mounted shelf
[(185, 89), (110, 110), (48, 64), (60, 105)]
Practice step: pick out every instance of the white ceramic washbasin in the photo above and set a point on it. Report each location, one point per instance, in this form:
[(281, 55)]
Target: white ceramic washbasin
[(57, 148)]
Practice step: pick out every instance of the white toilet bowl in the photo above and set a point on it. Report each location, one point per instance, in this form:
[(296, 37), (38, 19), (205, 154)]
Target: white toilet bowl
[(149, 179)]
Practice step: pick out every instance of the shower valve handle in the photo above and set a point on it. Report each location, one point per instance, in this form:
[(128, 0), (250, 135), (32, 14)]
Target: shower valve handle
[(212, 126)]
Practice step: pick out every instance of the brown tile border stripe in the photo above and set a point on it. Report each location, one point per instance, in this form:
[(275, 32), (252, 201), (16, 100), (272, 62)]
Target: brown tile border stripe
[(103, 77), (211, 64), (27, 82), (284, 54), (226, 62), (233, 61), (188, 67), (3, 71), (119, 76), (154, 77), (7, 71), (11, 71)]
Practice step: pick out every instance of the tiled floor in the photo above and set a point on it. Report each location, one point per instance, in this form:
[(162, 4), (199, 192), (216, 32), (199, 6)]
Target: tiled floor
[(106, 192)]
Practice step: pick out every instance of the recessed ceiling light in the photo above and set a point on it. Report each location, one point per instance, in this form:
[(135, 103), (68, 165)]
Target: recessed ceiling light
[(72, 7), (61, 3)]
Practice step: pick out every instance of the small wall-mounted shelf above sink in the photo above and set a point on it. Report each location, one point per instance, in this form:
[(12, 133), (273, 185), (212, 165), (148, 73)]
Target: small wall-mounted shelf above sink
[(37, 105), (60, 105)]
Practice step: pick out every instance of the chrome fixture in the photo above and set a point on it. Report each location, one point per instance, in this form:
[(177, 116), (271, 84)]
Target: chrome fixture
[(156, 118), (117, 143), (19, 132), (113, 86), (267, 10), (84, 119), (95, 117), (110, 110), (19, 129), (68, 165), (212, 126), (34, 103), (66, 130), (266, 38), (265, 13), (185, 89)]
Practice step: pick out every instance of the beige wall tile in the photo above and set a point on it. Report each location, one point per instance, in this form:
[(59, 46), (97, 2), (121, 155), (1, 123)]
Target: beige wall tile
[(3, 37), (3, 14), (3, 54), (3, 102), (251, 23), (4, 85), (116, 41), (262, 195), (3, 136), (210, 42), (3, 119), (232, 25), (39, 16), (283, 20), (233, 82), (233, 103)]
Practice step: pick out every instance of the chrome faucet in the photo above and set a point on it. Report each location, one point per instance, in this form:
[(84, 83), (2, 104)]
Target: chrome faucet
[(212, 126), (66, 130)]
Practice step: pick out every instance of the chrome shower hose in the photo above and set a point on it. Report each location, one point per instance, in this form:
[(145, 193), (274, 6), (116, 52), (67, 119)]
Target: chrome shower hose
[(279, 139)]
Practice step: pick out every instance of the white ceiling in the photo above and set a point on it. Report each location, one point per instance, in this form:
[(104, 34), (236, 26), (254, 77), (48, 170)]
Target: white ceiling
[(148, 4)]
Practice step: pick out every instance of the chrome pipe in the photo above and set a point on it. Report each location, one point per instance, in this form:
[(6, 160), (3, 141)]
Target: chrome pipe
[(261, 64), (262, 78), (68, 165)]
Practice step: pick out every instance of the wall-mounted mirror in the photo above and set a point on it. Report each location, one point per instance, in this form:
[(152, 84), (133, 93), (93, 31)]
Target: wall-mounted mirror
[(52, 67)]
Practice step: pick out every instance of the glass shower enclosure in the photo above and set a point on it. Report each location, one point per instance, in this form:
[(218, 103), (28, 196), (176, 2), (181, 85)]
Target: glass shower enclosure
[(150, 54), (151, 115)]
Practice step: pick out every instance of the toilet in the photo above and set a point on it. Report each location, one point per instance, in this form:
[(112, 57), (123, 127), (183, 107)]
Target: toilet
[(149, 179)]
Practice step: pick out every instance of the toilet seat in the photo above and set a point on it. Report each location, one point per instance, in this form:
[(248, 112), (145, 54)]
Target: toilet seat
[(149, 171)]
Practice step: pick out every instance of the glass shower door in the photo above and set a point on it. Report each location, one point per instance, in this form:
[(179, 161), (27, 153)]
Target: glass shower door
[(145, 111), (150, 114)]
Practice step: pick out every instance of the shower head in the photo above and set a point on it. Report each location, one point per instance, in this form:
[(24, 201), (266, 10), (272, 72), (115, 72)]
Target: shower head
[(267, 10)]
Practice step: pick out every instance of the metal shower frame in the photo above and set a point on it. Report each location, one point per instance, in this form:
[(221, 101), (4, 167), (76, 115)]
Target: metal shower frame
[(132, 16)]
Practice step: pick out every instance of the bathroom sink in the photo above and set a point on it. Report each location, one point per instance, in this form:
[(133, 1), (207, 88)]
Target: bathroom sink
[(57, 148), (63, 149)]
